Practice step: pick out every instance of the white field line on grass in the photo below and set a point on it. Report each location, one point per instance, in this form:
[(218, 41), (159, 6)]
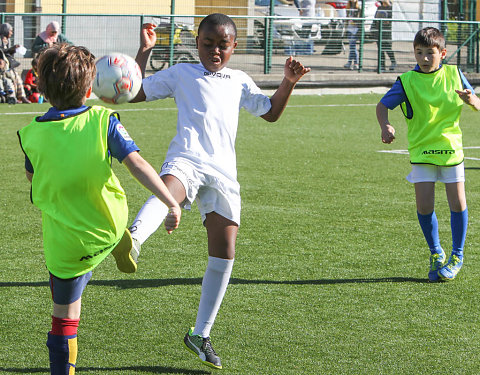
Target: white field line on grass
[(175, 108), (121, 110), (405, 152)]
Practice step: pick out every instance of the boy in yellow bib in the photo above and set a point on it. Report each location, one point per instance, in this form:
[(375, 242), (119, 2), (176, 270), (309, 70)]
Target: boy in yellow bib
[(431, 97), (68, 155)]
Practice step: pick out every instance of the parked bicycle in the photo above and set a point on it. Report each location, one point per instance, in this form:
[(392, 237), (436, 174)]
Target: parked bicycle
[(184, 47)]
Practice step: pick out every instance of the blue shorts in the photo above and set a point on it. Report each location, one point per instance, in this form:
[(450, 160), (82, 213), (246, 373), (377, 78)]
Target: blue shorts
[(66, 291)]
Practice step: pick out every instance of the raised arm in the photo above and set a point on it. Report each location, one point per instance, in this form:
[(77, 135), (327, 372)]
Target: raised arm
[(148, 37), (148, 177), (293, 70), (147, 42)]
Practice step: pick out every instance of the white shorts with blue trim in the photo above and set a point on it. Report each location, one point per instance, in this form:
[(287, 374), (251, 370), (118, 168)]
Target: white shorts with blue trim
[(434, 173)]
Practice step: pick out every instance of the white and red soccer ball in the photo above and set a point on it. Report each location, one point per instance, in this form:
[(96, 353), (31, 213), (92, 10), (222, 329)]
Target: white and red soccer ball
[(118, 78)]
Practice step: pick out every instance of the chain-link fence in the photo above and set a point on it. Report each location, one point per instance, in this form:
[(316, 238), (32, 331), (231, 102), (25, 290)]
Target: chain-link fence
[(268, 31)]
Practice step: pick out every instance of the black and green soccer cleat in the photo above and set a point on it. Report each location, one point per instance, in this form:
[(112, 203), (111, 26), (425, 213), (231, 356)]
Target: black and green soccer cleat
[(202, 347)]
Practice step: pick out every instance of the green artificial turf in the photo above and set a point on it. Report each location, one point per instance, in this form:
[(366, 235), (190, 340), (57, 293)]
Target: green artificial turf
[(330, 275)]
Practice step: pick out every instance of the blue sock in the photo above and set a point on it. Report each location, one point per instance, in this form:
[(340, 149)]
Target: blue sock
[(429, 225), (62, 353), (458, 223)]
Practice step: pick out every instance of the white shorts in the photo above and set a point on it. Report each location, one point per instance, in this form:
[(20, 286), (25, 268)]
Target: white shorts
[(212, 193), (434, 173)]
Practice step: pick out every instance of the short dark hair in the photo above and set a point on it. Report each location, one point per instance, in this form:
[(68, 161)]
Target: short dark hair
[(429, 37), (65, 73), (217, 19)]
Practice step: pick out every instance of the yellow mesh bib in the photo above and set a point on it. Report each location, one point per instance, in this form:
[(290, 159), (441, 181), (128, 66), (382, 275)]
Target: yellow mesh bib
[(84, 208), (434, 135)]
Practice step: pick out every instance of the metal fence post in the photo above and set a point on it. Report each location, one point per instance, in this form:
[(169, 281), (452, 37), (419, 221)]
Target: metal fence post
[(461, 17), (471, 44), (477, 54), (380, 50), (172, 33), (64, 17), (362, 38), (269, 39), (443, 27)]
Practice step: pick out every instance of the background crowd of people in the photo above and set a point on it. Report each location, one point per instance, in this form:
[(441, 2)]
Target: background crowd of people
[(13, 89)]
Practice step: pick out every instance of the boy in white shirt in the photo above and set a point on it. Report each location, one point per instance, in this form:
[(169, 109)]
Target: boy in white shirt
[(201, 162)]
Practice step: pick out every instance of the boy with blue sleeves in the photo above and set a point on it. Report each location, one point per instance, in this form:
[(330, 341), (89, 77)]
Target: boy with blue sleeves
[(431, 97), (68, 155)]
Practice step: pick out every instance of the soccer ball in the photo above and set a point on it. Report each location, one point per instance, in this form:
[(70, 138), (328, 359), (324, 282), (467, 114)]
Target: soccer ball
[(118, 78)]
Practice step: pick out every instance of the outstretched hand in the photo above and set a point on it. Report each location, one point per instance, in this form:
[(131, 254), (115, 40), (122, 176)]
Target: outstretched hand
[(294, 70), (148, 37), (469, 97), (465, 95)]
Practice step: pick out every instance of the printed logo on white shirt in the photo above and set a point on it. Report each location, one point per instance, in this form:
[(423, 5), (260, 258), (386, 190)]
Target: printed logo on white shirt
[(217, 74)]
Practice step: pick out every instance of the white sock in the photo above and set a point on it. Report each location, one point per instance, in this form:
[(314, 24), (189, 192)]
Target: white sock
[(148, 219), (214, 285)]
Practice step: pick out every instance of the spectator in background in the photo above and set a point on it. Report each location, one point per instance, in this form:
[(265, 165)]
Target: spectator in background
[(49, 37), (385, 11), (353, 11), (7, 51), (306, 8), (31, 89), (7, 89), (6, 32)]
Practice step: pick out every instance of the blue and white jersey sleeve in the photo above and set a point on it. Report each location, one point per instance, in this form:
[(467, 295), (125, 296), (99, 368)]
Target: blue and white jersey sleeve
[(253, 100), (120, 144)]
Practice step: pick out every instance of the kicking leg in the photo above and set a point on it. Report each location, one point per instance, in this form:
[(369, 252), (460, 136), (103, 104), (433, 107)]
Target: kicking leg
[(154, 211), (148, 219)]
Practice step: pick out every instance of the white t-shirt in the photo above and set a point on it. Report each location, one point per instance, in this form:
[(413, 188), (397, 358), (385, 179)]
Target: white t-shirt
[(208, 108)]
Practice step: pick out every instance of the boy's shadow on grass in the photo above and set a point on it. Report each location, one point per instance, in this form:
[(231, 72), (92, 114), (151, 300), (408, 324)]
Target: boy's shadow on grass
[(136, 369), (155, 283)]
